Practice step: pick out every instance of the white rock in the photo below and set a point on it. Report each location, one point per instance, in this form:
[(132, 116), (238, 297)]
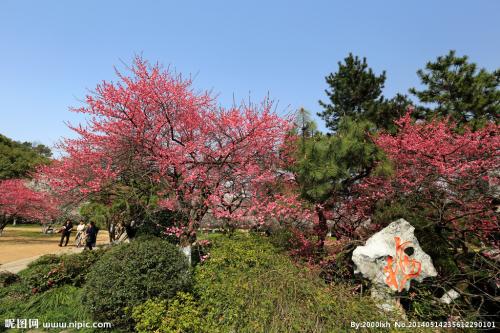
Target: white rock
[(382, 258)]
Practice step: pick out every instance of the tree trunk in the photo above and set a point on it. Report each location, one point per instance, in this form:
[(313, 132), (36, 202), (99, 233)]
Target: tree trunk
[(3, 223), (190, 235), (321, 228)]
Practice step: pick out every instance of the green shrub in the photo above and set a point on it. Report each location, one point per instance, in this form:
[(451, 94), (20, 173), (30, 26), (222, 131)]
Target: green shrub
[(180, 314), (247, 286), (129, 274), (44, 261), (37, 275), (76, 267), (183, 315), (60, 301), (149, 315), (50, 271)]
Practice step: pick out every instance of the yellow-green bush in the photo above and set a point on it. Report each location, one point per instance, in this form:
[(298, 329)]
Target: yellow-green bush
[(248, 286), (178, 315)]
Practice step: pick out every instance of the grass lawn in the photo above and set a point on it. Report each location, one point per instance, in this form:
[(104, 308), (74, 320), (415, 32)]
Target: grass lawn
[(27, 230)]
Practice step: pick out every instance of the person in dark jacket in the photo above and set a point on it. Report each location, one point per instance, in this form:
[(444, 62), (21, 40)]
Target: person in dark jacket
[(91, 239), (66, 232)]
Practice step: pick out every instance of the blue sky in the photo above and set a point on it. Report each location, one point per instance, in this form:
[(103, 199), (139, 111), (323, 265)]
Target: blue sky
[(53, 52)]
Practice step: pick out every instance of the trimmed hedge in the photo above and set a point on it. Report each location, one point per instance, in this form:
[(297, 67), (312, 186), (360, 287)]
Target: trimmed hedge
[(129, 274)]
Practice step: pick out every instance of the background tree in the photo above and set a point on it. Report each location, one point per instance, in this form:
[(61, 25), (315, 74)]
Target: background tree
[(304, 125), (18, 160), (384, 114), (20, 199), (459, 89), (41, 149), (353, 90)]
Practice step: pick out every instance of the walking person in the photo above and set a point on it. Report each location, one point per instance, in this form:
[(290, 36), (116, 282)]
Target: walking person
[(91, 236), (80, 234), (66, 232)]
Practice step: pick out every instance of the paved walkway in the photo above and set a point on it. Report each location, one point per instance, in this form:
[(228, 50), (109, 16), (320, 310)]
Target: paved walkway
[(22, 244), (19, 265)]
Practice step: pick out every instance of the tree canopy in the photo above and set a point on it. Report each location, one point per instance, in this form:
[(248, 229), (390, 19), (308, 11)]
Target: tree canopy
[(455, 87), (151, 135), (353, 89), (18, 160)]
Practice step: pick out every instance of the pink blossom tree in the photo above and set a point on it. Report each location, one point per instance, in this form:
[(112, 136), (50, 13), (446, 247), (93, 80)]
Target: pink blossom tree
[(150, 135), (19, 200), (449, 170)]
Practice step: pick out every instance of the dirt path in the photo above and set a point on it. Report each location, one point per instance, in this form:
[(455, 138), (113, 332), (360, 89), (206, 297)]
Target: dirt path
[(20, 245)]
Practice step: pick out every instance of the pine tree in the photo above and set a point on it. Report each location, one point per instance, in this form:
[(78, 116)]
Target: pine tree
[(459, 89), (327, 166), (354, 89), (384, 113), (333, 162)]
